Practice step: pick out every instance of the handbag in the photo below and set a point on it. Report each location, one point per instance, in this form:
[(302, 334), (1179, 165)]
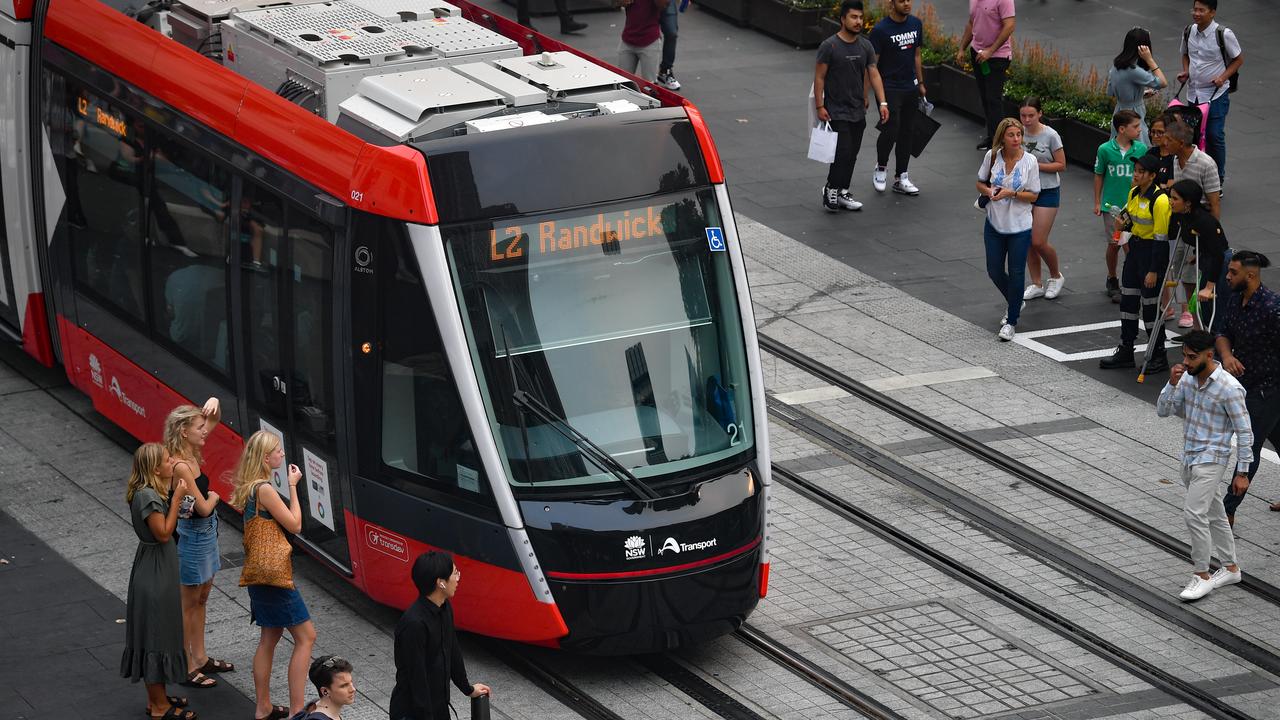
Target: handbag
[(822, 143), (983, 200), (266, 550)]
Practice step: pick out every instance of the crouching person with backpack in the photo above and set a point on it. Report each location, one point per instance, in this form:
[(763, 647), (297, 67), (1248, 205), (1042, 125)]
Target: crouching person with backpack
[(332, 677)]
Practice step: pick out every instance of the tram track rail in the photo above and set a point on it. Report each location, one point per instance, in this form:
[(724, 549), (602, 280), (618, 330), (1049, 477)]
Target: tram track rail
[(1139, 667), (1174, 546)]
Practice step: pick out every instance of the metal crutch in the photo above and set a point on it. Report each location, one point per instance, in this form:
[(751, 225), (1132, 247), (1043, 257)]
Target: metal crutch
[(1170, 281)]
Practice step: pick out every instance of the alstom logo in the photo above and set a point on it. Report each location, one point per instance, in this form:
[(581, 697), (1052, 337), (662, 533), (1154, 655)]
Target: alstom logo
[(671, 545)]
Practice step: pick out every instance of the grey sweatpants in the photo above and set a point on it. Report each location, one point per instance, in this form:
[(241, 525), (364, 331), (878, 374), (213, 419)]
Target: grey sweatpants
[(642, 61), (1205, 516)]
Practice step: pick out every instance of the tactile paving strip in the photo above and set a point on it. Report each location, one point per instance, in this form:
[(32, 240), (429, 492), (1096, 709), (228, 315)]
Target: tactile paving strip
[(948, 660)]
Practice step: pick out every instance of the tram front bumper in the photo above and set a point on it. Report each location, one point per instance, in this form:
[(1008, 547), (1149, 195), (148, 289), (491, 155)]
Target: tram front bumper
[(656, 614)]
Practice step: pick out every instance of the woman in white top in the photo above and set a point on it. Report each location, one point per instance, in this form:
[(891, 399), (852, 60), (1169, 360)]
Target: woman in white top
[(1044, 143), (1010, 177)]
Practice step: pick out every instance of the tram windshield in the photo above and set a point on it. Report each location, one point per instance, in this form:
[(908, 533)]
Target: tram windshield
[(621, 319)]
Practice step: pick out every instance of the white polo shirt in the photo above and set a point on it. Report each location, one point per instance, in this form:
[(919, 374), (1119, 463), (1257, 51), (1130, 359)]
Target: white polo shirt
[(1206, 60)]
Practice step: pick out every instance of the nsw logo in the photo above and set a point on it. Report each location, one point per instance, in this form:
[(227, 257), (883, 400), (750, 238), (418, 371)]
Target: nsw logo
[(634, 548)]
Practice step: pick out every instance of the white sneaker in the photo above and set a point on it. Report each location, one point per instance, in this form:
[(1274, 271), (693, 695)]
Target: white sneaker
[(1223, 576), (1006, 332), (902, 184), (879, 179), (1032, 292), (846, 201), (1196, 588), (1004, 319), (1053, 287)]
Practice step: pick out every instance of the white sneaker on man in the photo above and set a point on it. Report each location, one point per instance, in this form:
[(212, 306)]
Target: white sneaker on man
[(1032, 292), (1197, 587), (1053, 286), (880, 179), (902, 184), (1222, 577), (1006, 332), (846, 201)]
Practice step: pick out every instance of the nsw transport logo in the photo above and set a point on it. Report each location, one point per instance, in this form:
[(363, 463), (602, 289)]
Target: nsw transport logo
[(634, 548)]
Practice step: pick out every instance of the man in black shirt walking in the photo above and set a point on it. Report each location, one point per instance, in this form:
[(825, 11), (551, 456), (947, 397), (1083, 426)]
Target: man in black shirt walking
[(1247, 344), (426, 648), (844, 60), (896, 40)]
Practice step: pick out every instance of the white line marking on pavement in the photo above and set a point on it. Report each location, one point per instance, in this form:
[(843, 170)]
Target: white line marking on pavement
[(1069, 329), (808, 395), (896, 382), (1026, 340), (899, 382)]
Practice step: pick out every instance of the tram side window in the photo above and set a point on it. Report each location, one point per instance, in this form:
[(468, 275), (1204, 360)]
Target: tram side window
[(102, 176), (188, 216), (312, 374), (424, 427), (260, 223)]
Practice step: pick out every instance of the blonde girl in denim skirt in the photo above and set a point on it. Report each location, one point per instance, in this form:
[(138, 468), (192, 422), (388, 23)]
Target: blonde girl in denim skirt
[(185, 431), (274, 609)]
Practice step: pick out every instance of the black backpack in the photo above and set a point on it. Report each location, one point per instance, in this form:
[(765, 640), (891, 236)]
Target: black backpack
[(1234, 80)]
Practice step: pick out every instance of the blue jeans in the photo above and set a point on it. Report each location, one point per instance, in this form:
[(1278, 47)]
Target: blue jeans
[(1215, 133), (669, 22), (1010, 247)]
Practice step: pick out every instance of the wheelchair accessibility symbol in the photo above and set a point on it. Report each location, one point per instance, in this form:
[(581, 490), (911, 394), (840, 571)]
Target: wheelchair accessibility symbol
[(715, 239)]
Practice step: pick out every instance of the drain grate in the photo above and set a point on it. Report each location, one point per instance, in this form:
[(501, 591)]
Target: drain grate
[(948, 660)]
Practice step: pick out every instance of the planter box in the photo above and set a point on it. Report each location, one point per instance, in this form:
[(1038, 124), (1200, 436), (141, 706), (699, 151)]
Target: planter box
[(956, 89), (796, 27), (828, 26), (737, 12), (1080, 141), (538, 8)]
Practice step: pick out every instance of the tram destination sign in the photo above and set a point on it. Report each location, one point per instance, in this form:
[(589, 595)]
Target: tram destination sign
[(605, 231)]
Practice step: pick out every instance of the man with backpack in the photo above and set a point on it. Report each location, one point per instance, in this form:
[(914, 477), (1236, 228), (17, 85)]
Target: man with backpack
[(1211, 59)]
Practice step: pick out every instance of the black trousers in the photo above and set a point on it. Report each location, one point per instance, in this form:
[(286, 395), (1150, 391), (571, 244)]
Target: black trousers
[(848, 143), (1264, 419), (896, 133), (1142, 256), (991, 89)]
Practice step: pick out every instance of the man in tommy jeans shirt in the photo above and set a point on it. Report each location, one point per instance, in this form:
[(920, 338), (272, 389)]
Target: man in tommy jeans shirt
[(1212, 401)]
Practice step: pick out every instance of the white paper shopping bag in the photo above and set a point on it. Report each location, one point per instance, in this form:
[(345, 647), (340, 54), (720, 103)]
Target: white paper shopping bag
[(822, 143)]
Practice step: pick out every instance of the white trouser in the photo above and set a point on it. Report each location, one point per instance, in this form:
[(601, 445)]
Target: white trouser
[(1206, 517)]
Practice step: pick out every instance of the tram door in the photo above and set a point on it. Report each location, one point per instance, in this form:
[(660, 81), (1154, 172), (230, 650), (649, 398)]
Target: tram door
[(286, 267)]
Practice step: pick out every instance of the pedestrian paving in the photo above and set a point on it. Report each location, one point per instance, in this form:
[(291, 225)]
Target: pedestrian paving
[(58, 620)]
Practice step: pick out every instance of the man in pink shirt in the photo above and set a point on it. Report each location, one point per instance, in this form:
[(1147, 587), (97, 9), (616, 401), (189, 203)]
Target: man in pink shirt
[(986, 37)]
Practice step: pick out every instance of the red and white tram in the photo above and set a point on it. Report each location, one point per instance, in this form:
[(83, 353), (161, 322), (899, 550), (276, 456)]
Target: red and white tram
[(488, 290)]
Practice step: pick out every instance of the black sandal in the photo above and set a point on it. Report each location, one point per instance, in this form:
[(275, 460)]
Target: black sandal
[(197, 679), (216, 666), (176, 713), (178, 702), (278, 712)]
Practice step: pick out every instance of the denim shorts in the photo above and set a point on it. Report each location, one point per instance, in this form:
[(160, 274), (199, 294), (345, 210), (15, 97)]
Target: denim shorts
[(198, 557), (1049, 197), (273, 607)]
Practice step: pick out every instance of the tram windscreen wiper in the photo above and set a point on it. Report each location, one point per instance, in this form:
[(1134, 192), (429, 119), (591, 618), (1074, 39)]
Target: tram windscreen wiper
[(596, 454)]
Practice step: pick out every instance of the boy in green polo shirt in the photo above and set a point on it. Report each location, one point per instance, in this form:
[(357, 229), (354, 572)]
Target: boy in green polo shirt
[(1112, 178)]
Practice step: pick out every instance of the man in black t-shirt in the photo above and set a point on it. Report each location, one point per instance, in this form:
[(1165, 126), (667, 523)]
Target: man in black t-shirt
[(844, 60), (896, 40)]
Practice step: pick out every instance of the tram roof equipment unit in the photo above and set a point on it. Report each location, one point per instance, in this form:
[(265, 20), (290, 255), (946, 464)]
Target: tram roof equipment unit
[(324, 50), (490, 95)]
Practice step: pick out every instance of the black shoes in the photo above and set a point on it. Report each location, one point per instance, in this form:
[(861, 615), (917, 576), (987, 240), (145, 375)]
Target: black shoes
[(1158, 363), (1121, 358), (569, 26), (1113, 289)]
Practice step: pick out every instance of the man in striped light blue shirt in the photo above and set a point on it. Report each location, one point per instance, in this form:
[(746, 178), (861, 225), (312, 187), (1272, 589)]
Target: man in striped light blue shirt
[(1212, 401)]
